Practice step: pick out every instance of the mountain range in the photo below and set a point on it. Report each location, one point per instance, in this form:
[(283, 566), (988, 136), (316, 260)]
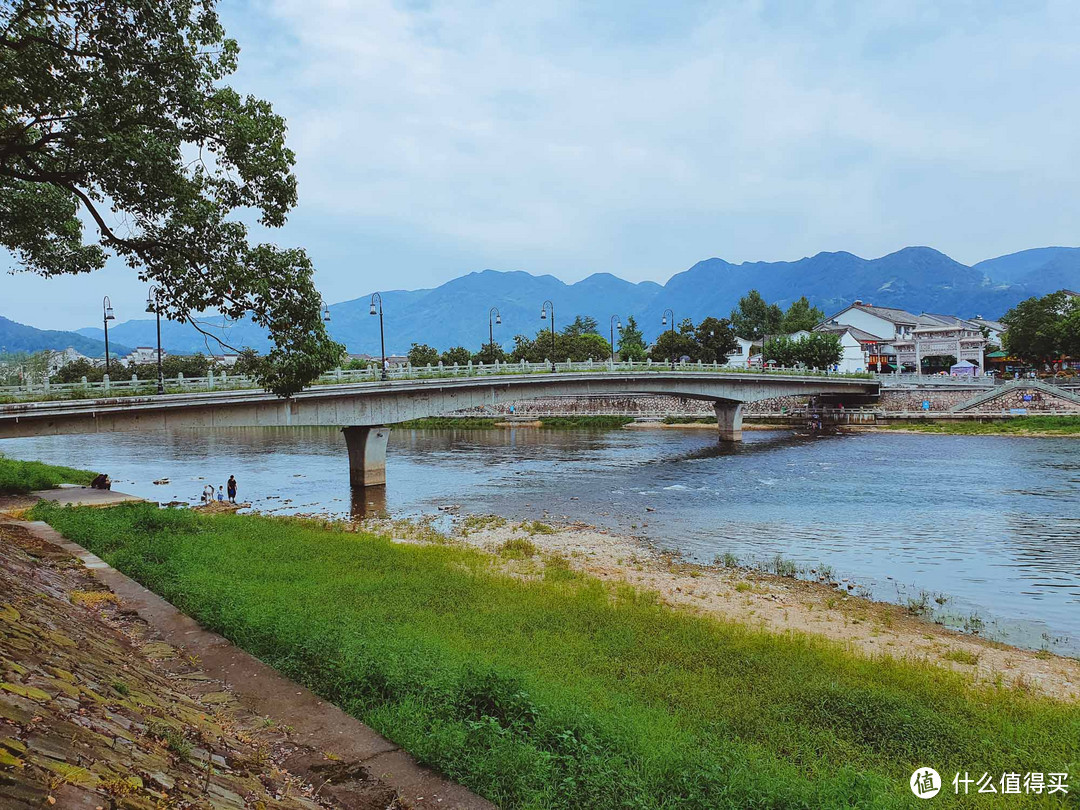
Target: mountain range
[(919, 279), (18, 337)]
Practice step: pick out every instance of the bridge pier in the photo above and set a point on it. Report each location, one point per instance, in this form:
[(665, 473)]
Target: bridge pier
[(729, 420), (367, 454)]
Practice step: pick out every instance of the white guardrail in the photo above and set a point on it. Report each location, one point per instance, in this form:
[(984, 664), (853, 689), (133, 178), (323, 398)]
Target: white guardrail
[(223, 381)]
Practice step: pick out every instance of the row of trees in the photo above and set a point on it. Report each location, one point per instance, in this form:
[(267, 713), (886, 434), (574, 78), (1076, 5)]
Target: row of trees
[(816, 350), (1041, 331), (713, 340)]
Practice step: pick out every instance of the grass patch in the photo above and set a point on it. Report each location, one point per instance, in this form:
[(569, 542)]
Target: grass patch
[(1016, 426), (449, 422), (585, 421), (497, 423), (20, 477), (689, 420), (536, 527), (567, 692), (962, 657), (518, 548)]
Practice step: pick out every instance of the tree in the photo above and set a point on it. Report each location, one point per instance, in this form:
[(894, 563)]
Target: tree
[(783, 351), (459, 355), (1041, 330), (490, 353), (674, 345), (423, 355), (119, 110), (801, 317), (631, 341), (819, 350), (74, 372), (577, 346), (581, 325), (715, 340), (753, 318), (247, 363)]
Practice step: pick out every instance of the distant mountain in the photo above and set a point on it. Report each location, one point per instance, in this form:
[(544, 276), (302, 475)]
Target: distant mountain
[(456, 313), (17, 337), (1041, 266)]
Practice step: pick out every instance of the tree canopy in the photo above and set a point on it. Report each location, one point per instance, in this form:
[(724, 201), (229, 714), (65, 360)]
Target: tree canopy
[(801, 317), (1041, 330), (420, 354), (816, 350), (711, 341), (631, 341), (118, 111), (577, 341), (753, 318)]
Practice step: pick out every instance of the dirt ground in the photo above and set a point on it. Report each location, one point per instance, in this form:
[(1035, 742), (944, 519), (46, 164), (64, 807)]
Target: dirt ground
[(784, 605)]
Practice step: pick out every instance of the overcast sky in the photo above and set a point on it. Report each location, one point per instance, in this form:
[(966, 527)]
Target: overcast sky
[(634, 137)]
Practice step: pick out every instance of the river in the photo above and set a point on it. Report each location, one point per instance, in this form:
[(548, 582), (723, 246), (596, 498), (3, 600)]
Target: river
[(991, 524)]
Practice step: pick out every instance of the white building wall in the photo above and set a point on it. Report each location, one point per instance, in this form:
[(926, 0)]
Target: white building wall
[(853, 359), (741, 358), (861, 319)]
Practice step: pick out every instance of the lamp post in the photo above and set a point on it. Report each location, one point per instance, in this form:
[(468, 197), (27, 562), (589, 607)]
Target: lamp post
[(325, 313), (543, 316), (615, 324), (153, 304), (664, 322), (382, 336), (491, 329), (107, 315)]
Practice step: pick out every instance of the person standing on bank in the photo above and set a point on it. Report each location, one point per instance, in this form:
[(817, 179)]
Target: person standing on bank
[(231, 486)]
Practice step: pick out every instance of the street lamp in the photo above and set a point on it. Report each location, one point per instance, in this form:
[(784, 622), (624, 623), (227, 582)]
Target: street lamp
[(382, 336), (491, 329), (107, 315), (615, 324), (325, 313), (664, 322), (153, 304), (543, 316)]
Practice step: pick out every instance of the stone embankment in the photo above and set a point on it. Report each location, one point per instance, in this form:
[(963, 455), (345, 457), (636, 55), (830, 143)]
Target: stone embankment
[(893, 400), (98, 709)]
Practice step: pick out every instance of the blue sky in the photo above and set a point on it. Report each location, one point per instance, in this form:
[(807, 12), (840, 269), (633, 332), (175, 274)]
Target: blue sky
[(437, 138)]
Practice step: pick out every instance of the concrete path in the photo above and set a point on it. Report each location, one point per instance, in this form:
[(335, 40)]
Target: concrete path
[(316, 724), (74, 495)]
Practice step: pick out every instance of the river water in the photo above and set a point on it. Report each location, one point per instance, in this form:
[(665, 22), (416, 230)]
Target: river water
[(990, 523)]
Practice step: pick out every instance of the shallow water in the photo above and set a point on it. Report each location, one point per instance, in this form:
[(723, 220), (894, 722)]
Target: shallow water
[(991, 522)]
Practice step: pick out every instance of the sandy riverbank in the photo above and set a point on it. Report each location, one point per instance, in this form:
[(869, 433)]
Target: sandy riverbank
[(778, 604), (1026, 434)]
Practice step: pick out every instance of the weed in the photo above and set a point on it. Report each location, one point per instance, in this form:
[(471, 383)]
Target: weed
[(726, 560), (536, 527), (517, 548), (94, 599), (782, 567), (173, 739), (962, 657)]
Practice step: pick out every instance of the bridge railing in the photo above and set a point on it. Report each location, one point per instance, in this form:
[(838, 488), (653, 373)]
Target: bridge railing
[(223, 381)]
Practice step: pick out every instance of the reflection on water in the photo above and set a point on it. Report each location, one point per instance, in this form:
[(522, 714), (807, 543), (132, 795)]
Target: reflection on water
[(991, 521)]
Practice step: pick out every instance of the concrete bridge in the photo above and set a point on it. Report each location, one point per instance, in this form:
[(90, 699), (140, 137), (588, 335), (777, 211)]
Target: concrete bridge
[(365, 411)]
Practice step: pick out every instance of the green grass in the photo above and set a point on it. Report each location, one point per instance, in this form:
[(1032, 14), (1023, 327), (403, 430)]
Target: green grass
[(445, 422), (1016, 426), (485, 423), (585, 421), (20, 477), (564, 692)]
